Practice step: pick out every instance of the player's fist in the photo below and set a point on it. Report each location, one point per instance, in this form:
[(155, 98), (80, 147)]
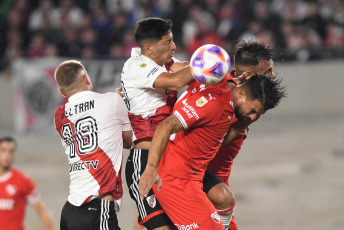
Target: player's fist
[(148, 179)]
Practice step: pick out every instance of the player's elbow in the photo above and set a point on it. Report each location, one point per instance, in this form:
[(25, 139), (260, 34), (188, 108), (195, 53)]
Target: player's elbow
[(127, 139)]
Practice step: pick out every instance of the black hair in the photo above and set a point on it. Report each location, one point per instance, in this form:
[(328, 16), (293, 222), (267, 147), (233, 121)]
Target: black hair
[(251, 52), (151, 29), (268, 91), (9, 139)]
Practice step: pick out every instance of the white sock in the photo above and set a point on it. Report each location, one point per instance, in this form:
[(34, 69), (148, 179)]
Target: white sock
[(226, 216)]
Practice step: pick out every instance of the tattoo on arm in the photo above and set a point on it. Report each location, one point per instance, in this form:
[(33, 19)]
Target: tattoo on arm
[(174, 123)]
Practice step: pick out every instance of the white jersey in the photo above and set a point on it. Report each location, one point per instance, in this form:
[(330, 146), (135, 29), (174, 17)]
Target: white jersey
[(138, 76), (90, 125)]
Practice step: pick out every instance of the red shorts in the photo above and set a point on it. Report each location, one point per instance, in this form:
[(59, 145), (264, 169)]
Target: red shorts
[(186, 204)]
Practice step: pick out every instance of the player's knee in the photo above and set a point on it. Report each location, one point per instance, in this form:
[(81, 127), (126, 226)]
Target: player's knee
[(221, 196)]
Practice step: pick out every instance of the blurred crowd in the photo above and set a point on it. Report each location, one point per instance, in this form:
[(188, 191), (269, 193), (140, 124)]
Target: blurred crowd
[(298, 29)]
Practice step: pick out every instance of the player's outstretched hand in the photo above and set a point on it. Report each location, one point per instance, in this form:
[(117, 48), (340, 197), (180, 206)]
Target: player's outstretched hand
[(148, 179), (243, 78), (119, 91)]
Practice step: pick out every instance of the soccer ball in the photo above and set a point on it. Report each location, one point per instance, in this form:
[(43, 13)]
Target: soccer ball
[(210, 64)]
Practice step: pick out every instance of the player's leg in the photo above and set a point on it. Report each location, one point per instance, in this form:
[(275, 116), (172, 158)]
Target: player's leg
[(233, 225), (186, 204), (95, 215), (221, 197), (151, 215)]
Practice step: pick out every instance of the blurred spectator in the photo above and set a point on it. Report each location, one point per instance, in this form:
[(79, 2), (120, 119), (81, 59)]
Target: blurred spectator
[(37, 47), (98, 28), (71, 14), (44, 17)]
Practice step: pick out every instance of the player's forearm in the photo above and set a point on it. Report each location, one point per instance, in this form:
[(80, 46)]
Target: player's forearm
[(44, 215), (184, 76), (158, 145), (178, 66), (234, 131)]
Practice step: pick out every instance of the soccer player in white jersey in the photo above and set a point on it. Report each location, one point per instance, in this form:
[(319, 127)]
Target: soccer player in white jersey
[(149, 91), (94, 128)]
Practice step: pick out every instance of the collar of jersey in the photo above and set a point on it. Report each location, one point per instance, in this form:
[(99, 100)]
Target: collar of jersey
[(79, 95), (6, 177)]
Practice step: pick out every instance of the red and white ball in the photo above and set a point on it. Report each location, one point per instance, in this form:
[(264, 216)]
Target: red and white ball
[(210, 64)]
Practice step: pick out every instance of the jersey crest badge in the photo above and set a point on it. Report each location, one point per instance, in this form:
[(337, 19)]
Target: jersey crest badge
[(151, 200), (202, 101), (143, 65), (216, 218), (11, 189)]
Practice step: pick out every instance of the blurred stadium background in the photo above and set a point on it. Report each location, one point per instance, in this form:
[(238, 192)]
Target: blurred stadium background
[(289, 174)]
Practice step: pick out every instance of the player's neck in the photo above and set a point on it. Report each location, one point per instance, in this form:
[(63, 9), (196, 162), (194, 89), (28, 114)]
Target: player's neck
[(4, 171)]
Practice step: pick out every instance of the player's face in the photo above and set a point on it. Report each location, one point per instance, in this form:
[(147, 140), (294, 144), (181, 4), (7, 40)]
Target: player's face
[(164, 49), (7, 154), (265, 68), (249, 110)]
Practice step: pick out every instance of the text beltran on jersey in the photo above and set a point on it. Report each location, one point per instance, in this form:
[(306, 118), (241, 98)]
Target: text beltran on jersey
[(79, 108)]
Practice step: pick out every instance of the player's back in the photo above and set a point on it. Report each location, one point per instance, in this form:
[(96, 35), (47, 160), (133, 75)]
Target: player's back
[(90, 126), (138, 76)]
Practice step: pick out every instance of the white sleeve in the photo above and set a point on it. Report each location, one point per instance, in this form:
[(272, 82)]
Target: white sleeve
[(122, 113), (34, 197), (143, 74)]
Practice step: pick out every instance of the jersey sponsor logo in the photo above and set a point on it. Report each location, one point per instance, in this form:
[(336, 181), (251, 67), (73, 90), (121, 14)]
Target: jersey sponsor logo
[(6, 204), (189, 110), (201, 87), (11, 189), (153, 71), (86, 165), (210, 97), (231, 104), (94, 209), (202, 101), (151, 200), (216, 218), (143, 65), (187, 227)]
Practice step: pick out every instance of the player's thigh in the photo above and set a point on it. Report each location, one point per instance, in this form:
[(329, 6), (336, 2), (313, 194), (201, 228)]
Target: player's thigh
[(187, 205), (94, 215), (151, 214)]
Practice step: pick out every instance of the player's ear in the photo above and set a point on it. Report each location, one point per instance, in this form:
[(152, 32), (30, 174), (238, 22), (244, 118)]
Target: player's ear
[(87, 79), (147, 48), (63, 93), (241, 93)]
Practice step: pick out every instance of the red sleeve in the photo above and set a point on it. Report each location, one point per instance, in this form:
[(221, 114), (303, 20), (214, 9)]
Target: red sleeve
[(28, 186), (198, 110)]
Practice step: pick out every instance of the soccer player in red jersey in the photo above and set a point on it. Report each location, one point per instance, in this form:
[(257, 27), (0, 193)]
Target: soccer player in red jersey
[(16, 190), (203, 117), (250, 58)]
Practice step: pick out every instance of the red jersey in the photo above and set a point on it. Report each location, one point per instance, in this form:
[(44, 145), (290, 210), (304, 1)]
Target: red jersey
[(15, 190), (221, 165), (205, 112)]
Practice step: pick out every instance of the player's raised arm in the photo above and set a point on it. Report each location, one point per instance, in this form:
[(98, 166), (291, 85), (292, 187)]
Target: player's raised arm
[(174, 81), (159, 143)]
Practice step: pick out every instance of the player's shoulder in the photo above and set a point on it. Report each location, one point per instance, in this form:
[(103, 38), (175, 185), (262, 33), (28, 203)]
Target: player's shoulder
[(17, 174), (138, 62)]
